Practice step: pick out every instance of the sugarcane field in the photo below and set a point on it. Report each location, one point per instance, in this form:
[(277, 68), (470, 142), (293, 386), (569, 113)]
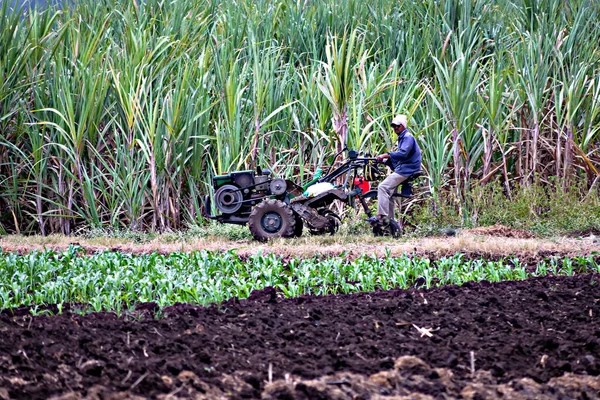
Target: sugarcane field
[(299, 200)]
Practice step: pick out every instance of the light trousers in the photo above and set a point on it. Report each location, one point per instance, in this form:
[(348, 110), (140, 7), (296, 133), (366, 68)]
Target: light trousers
[(385, 191)]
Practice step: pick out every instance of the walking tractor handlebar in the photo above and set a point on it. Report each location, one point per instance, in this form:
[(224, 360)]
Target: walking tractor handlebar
[(351, 165)]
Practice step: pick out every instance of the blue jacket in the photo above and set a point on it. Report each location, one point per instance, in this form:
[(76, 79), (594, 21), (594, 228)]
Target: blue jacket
[(407, 160)]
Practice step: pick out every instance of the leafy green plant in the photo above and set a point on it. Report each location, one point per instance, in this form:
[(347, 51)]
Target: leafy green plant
[(116, 281)]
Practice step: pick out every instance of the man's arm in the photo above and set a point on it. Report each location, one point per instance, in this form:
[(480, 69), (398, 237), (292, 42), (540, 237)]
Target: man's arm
[(404, 150), (383, 157)]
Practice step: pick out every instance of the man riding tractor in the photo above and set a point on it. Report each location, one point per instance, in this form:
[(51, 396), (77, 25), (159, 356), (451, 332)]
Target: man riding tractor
[(404, 163)]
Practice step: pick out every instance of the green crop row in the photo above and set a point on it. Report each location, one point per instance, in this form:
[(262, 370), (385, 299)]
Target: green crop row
[(116, 282)]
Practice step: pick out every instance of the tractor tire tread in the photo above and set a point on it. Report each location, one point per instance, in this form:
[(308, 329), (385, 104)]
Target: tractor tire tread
[(286, 212)]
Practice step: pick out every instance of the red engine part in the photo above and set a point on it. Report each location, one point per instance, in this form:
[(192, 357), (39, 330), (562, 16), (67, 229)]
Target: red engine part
[(362, 183)]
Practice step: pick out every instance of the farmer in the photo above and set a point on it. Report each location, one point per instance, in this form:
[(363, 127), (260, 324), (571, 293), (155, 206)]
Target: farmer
[(404, 163)]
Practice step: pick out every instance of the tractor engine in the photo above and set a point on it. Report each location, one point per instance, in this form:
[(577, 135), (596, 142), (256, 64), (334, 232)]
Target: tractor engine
[(238, 192)]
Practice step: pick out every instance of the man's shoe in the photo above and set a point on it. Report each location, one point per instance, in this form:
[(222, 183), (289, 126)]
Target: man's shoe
[(372, 220)]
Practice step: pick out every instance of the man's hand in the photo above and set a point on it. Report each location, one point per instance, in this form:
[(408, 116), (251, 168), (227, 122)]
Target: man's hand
[(382, 157)]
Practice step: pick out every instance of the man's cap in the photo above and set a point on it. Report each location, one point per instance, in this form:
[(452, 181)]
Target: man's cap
[(400, 120)]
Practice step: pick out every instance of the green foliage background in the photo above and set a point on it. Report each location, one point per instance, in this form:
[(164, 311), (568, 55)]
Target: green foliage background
[(115, 114)]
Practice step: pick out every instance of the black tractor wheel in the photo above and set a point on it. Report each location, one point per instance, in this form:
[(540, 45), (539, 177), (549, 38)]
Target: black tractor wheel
[(272, 219), (384, 228)]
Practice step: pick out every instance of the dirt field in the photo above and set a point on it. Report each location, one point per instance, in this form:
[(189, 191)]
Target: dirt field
[(515, 339)]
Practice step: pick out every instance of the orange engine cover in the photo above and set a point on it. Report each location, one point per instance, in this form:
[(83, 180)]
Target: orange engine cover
[(362, 183)]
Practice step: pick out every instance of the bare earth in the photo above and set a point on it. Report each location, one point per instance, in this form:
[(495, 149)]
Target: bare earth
[(531, 339)]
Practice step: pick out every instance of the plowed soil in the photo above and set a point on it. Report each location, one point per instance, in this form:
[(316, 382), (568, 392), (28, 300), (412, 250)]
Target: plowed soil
[(511, 339)]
